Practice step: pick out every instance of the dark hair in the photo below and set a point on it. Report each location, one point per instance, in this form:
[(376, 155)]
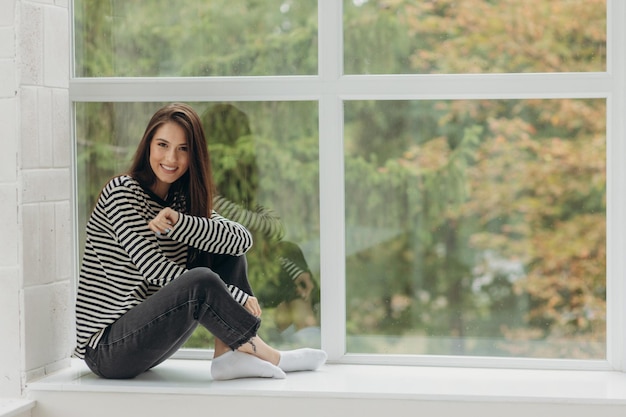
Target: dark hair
[(197, 183)]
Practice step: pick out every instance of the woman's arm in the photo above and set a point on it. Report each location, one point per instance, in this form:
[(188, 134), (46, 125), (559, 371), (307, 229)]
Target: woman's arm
[(215, 235), (121, 206)]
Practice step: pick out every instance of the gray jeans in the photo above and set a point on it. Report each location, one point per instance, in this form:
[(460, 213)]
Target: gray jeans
[(154, 330)]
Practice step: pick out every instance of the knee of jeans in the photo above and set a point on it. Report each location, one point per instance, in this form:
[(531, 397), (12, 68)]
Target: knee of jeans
[(204, 279)]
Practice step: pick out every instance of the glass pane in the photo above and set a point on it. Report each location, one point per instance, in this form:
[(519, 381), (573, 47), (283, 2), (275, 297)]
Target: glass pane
[(474, 36), (476, 227), (264, 157), (195, 38)]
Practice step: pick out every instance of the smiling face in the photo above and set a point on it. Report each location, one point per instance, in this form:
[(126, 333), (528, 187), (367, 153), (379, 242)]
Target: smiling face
[(169, 157)]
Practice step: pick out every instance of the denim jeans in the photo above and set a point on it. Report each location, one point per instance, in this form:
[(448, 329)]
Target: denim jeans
[(154, 330)]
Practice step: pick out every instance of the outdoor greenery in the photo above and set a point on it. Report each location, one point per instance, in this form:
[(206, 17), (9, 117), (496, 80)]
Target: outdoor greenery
[(473, 227)]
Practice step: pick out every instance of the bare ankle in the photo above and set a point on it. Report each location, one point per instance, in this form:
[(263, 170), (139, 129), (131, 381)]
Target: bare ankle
[(220, 348), (257, 347)]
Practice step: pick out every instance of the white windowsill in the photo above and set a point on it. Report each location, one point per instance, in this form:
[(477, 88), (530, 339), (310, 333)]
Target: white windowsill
[(334, 381), (10, 407)]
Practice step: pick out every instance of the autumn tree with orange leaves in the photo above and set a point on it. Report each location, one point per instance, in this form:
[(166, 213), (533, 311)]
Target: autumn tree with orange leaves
[(533, 186)]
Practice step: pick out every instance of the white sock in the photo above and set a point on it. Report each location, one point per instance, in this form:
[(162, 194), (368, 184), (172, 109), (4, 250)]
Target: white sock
[(236, 364), (305, 359)]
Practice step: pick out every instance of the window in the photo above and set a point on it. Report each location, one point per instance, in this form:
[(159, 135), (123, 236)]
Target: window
[(263, 155), (478, 236), (199, 38), (440, 167), (450, 37)]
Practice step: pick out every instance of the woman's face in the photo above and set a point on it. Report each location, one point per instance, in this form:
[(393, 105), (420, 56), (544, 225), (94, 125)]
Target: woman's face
[(169, 156)]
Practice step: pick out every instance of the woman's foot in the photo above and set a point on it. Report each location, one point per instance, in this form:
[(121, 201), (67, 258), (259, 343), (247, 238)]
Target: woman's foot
[(305, 359), (236, 364)]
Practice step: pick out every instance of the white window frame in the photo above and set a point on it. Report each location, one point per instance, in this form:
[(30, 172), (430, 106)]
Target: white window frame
[(331, 88)]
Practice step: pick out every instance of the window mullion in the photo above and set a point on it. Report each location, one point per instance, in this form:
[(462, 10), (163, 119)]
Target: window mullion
[(332, 219), (332, 228), (616, 178)]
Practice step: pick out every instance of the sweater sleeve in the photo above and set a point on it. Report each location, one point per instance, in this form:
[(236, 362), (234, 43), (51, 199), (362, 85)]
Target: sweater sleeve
[(238, 294), (214, 235), (135, 237)]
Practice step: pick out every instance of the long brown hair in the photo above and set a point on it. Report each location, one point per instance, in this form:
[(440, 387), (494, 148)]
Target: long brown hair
[(197, 183)]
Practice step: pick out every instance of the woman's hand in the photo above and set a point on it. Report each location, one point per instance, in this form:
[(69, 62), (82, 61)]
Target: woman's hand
[(164, 221), (252, 305)]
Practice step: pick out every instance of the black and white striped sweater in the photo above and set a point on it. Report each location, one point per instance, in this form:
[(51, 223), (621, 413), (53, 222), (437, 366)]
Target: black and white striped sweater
[(125, 262)]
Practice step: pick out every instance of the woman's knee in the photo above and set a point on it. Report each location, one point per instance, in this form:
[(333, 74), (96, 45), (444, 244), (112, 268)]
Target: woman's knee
[(204, 279)]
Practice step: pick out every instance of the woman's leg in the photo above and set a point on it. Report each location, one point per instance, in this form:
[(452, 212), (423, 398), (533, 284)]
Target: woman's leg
[(232, 269), (226, 364), (150, 332)]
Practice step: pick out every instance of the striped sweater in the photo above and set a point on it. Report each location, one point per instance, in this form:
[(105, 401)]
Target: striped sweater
[(125, 262)]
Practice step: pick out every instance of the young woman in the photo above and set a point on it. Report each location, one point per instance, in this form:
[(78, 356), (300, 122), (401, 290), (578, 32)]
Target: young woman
[(159, 261)]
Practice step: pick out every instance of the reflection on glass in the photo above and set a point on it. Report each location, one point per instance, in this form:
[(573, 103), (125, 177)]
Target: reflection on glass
[(476, 227), (474, 36), (195, 38), (264, 160)]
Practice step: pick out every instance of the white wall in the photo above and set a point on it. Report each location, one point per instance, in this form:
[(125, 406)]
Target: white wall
[(36, 324)]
